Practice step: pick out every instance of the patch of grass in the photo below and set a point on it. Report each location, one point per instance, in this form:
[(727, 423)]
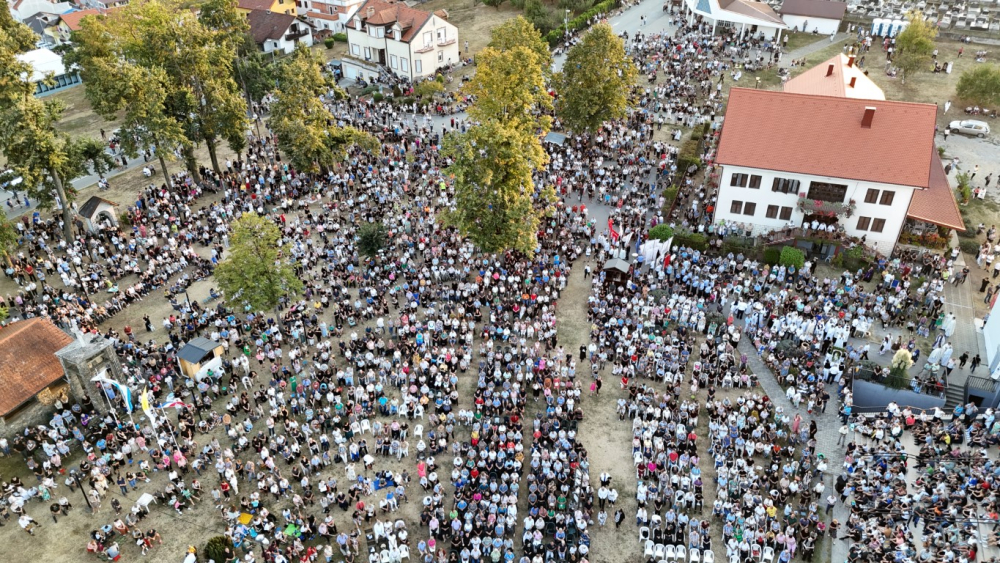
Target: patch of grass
[(79, 119), (474, 21), (798, 40)]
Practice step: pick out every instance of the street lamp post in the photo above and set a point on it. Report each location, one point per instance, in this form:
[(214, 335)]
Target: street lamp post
[(76, 477), (566, 23)]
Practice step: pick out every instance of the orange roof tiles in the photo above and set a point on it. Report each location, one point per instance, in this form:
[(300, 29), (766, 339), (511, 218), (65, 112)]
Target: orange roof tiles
[(387, 12), (820, 81), (937, 203), (72, 19), (823, 136), (255, 4), (27, 360)]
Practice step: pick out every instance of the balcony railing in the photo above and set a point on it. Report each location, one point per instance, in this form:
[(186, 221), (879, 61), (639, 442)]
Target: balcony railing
[(827, 208), (425, 49), (446, 42)]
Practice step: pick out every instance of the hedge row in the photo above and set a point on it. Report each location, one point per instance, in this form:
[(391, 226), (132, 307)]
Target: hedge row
[(553, 37)]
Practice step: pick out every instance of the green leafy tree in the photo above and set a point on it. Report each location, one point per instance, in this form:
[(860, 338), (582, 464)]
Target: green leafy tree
[(519, 32), (8, 237), (307, 131), (43, 157), (372, 238), (980, 85), (791, 256), (427, 88), (509, 87), (91, 153), (176, 74), (899, 367), (494, 3), (496, 204), (596, 82), (662, 232), (915, 45), (219, 549), (254, 273)]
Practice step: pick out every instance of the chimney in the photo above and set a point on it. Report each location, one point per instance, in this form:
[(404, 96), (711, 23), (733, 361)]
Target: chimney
[(866, 121), (850, 62), (829, 70), (371, 11), (854, 79)]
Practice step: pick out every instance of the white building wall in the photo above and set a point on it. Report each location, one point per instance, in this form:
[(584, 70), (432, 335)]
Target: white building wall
[(894, 215), (803, 23)]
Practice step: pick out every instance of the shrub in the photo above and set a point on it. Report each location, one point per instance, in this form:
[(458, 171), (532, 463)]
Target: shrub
[(378, 97), (661, 232), (964, 189), (553, 37), (772, 255), (969, 246), (216, 548), (329, 41), (791, 256), (696, 241), (339, 37)]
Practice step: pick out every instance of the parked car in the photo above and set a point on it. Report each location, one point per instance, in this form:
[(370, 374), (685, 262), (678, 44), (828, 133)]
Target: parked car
[(970, 127)]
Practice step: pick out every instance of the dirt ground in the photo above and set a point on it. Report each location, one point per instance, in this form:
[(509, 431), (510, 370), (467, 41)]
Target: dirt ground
[(474, 21)]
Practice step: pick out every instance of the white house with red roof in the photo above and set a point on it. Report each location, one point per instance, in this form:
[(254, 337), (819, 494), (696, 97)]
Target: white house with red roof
[(328, 15), (385, 36), (751, 18), (831, 163)]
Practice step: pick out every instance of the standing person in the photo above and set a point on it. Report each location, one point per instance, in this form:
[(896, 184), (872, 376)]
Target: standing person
[(619, 517), (963, 359), (976, 360)]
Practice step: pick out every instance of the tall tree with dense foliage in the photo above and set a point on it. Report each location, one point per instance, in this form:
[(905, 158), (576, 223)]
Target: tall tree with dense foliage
[(307, 132), (519, 32), (496, 203), (509, 87), (47, 160), (596, 82), (254, 273), (170, 73), (915, 45), (980, 85)]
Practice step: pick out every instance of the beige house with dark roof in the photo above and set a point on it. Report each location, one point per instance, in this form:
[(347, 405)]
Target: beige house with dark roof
[(385, 36), (278, 32)]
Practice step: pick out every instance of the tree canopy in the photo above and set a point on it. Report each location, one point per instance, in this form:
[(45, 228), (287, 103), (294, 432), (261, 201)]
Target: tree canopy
[(46, 159), (169, 72), (519, 32), (980, 85), (254, 273), (509, 87), (496, 204), (596, 82), (915, 45), (307, 132)]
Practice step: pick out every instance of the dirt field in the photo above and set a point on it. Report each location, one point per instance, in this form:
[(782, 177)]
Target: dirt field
[(474, 22)]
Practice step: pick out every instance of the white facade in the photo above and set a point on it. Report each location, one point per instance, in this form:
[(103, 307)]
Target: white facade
[(432, 45), (822, 26), (331, 15), (880, 222)]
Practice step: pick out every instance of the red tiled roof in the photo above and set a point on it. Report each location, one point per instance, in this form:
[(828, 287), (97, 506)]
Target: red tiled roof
[(388, 12), (72, 19), (823, 136), (752, 9), (255, 4), (817, 82), (937, 203), (27, 360), (825, 9)]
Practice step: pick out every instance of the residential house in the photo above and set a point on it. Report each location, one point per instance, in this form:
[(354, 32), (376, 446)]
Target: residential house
[(105, 4), (748, 16), (856, 167), (28, 365), (839, 77), (45, 65), (329, 16), (813, 16), (46, 27), (385, 36), (278, 32), (21, 10), (275, 6)]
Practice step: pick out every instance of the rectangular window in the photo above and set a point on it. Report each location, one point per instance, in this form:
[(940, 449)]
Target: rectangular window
[(392, 62), (736, 208), (755, 182), (440, 56), (749, 208), (864, 223), (785, 186), (404, 64), (418, 66), (368, 53), (428, 38), (442, 34), (380, 33), (739, 180), (786, 213), (887, 197), (878, 225), (772, 212), (355, 50), (871, 196), (825, 191)]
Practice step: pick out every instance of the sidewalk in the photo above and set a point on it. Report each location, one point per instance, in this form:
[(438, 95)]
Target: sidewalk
[(801, 52)]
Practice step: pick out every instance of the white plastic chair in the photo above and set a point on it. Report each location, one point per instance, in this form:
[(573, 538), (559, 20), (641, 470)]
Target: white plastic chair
[(659, 552), (366, 426), (682, 554), (404, 552), (644, 533), (418, 431), (708, 556), (418, 411), (670, 553), (768, 554), (649, 549), (694, 556)]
